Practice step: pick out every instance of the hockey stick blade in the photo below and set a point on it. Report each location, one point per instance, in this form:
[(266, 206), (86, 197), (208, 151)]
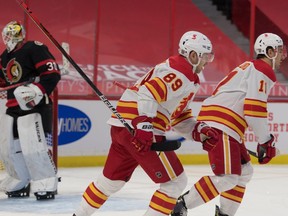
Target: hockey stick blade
[(169, 145)]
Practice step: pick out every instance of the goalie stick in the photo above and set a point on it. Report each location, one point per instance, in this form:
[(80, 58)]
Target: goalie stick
[(162, 146), (16, 85)]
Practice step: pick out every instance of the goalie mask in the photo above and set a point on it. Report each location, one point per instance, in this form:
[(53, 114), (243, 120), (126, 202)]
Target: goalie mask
[(12, 34), (197, 42)]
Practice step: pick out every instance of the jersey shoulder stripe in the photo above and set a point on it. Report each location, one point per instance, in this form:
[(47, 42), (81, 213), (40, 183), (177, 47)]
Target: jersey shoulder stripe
[(264, 68), (179, 63)]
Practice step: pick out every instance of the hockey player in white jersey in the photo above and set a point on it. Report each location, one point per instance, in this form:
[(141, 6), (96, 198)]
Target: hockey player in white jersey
[(158, 99), (239, 101)]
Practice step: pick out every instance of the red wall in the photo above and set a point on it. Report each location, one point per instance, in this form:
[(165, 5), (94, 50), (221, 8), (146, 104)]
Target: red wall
[(122, 39), (269, 17)]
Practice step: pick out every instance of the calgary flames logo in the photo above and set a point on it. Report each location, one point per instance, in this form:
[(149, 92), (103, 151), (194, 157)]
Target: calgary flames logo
[(13, 71), (183, 104)]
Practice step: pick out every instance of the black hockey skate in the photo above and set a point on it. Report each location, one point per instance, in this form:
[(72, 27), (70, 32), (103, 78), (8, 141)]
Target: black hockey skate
[(218, 213), (180, 208), (47, 195), (24, 192)]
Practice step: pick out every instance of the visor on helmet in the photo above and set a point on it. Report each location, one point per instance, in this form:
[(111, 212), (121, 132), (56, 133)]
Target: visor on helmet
[(283, 51), (207, 57)]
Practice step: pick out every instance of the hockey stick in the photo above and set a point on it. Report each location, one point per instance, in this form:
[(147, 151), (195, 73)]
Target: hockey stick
[(254, 154), (163, 146), (15, 85), (119, 85)]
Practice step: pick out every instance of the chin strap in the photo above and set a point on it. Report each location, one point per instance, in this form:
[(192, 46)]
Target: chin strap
[(273, 63), (273, 59), (194, 66)]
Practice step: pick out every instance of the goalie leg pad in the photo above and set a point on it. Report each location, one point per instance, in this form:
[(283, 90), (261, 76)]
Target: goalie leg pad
[(18, 176), (35, 150)]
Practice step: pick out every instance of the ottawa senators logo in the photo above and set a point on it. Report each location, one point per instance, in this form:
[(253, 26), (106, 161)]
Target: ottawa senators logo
[(13, 71)]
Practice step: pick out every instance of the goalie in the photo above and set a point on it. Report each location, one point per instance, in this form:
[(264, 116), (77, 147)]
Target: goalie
[(27, 124)]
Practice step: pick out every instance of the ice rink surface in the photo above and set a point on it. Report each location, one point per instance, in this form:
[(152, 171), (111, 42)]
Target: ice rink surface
[(266, 194)]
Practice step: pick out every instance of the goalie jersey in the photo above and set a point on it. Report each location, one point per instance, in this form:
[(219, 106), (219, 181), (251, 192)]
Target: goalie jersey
[(240, 100), (32, 59), (164, 94)]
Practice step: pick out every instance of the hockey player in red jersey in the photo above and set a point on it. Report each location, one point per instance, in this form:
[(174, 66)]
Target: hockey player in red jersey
[(28, 119), (158, 99), (239, 101)]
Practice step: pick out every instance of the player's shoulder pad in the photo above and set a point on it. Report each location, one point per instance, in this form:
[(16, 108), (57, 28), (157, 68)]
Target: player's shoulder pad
[(179, 63), (38, 43), (30, 44), (34, 44)]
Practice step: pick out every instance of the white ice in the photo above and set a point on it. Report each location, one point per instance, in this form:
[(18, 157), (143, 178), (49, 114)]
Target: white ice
[(266, 194)]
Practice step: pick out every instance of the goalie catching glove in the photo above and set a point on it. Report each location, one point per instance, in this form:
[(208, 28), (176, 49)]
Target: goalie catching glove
[(206, 135), (28, 96), (143, 133), (266, 151)]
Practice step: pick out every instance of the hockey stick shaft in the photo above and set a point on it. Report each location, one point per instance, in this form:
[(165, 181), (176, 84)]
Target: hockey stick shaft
[(254, 154), (165, 146), (72, 62), (120, 85), (15, 85)]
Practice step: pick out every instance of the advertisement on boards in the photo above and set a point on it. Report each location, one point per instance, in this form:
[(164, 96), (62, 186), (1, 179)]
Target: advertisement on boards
[(82, 128), (83, 131)]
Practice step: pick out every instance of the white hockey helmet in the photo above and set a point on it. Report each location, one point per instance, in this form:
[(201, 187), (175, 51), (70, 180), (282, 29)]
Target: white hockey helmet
[(12, 34), (267, 40), (197, 42)]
